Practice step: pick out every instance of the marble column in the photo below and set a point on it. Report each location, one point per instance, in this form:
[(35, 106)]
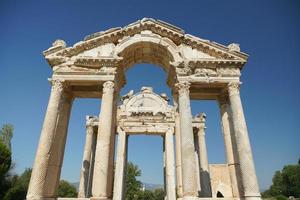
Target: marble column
[(203, 159), (170, 176), (111, 163), (189, 175), (49, 157), (249, 179), (178, 148), (230, 146), (86, 161), (197, 155), (91, 170), (164, 167), (101, 180), (119, 184)]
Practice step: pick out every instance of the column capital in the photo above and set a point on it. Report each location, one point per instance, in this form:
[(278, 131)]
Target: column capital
[(183, 87), (90, 120), (58, 85), (233, 88), (170, 130), (120, 129), (108, 86)]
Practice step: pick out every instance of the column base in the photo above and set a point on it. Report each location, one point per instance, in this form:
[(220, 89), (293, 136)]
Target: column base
[(59, 198), (100, 198), (42, 198), (252, 198), (190, 198), (79, 198)]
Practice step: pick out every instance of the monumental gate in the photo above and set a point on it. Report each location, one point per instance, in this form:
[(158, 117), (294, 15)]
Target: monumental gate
[(196, 69)]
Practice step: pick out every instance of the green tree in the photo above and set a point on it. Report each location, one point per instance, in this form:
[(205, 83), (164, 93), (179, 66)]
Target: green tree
[(133, 186), (65, 189), (19, 187), (147, 195), (285, 182), (6, 134), (159, 194), (5, 164)]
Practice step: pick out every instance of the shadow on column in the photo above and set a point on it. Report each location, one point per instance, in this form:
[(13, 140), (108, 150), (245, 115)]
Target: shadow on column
[(205, 184)]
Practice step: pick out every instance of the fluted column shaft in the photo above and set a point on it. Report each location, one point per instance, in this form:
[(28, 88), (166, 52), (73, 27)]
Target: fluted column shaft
[(49, 157), (249, 179), (119, 183), (204, 166), (86, 161), (178, 156), (230, 147), (178, 148), (92, 163), (170, 176), (101, 180), (189, 175)]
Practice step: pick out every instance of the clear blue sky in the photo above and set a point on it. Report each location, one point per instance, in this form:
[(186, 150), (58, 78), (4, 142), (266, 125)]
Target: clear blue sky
[(267, 30)]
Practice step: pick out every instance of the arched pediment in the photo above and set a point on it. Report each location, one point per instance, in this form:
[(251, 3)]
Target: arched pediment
[(112, 43), (145, 103), (148, 47)]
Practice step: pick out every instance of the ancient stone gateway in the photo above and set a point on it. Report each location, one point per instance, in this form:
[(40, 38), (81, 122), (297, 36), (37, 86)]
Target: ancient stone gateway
[(196, 69)]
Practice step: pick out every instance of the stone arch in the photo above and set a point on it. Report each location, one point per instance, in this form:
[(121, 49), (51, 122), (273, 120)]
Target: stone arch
[(148, 47)]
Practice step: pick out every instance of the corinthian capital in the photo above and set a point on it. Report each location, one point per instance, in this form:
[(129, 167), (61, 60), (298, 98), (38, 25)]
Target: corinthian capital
[(57, 85), (108, 86), (183, 87), (233, 88)]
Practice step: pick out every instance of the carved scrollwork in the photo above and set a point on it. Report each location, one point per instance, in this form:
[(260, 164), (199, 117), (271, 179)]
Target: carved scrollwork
[(225, 71), (217, 72), (205, 72), (90, 120), (183, 70), (233, 88), (108, 86), (58, 85), (107, 70), (59, 42), (183, 87)]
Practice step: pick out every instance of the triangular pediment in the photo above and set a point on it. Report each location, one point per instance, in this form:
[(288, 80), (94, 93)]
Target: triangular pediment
[(106, 45)]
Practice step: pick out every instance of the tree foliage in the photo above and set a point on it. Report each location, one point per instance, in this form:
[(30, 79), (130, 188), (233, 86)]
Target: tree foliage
[(19, 186), (6, 134), (5, 164), (15, 187), (65, 189), (134, 190), (133, 186), (285, 182)]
